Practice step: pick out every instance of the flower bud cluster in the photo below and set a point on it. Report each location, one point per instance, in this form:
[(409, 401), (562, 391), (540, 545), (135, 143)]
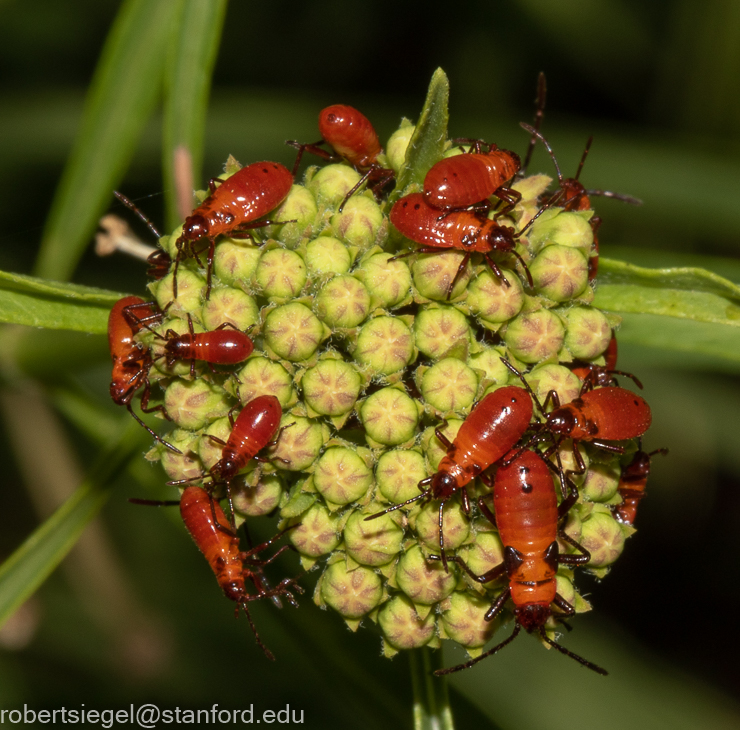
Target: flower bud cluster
[(368, 355)]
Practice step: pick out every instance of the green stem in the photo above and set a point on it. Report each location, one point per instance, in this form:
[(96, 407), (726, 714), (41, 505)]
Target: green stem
[(431, 700)]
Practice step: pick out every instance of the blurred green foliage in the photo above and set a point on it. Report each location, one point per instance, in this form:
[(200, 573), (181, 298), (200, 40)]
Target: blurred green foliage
[(134, 615)]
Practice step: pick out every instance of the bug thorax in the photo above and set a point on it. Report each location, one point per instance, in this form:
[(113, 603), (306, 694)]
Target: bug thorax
[(532, 616), (224, 470), (561, 420)]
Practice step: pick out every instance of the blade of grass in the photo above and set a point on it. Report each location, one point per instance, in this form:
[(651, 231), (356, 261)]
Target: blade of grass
[(122, 95), (55, 305), (29, 566), (187, 86)]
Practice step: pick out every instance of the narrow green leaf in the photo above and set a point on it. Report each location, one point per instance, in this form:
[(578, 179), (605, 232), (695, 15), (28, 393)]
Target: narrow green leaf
[(688, 311), (29, 566), (122, 95), (54, 305), (427, 144), (187, 87), (431, 698)]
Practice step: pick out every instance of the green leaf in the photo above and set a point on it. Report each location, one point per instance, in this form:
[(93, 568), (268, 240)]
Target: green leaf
[(29, 566), (122, 95), (54, 305), (685, 310), (188, 83), (428, 142)]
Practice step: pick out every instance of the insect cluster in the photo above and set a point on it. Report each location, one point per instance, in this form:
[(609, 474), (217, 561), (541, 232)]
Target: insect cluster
[(413, 380)]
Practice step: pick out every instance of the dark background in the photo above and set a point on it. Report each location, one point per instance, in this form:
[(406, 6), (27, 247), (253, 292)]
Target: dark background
[(657, 86)]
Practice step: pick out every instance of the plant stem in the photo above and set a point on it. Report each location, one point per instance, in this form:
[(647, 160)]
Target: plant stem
[(431, 700)]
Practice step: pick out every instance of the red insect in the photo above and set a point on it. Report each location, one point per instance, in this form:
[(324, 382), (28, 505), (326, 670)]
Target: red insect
[(255, 427), (598, 416), (575, 196), (462, 229), (632, 485), (213, 347), (496, 423), (528, 518), (159, 261), (233, 207), (131, 361), (209, 528), (351, 135), (468, 179)]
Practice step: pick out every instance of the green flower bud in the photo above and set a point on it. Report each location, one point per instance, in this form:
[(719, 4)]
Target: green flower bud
[(560, 273), (232, 306), (261, 376), (433, 273), (234, 263), (545, 378), (185, 465), (387, 281), (568, 459), (602, 536), (424, 582), (299, 445), (456, 526), (260, 499), (492, 300), (389, 416), (353, 594), (398, 474), (343, 302), (601, 482), (193, 404), (299, 207), (535, 336), (395, 150), (485, 553), (372, 542), (281, 274), (565, 588), (489, 361), (359, 223), (293, 332), (588, 332), (563, 228), (449, 385), (332, 182), (573, 529), (342, 476), (317, 532), (209, 449), (463, 619), (331, 387), (433, 447), (441, 331), (328, 255), (401, 626), (384, 345), (191, 290)]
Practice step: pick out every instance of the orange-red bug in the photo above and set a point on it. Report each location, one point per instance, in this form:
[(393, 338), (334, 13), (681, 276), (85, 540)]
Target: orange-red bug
[(209, 528), (597, 416), (632, 485), (131, 360), (233, 207), (574, 195), (528, 517), (458, 229), (255, 427), (496, 423), (352, 136), (471, 178), (214, 347)]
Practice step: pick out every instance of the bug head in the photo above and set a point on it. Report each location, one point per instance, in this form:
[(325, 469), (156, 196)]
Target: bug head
[(532, 616), (561, 420), (443, 484), (196, 226), (234, 590)]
